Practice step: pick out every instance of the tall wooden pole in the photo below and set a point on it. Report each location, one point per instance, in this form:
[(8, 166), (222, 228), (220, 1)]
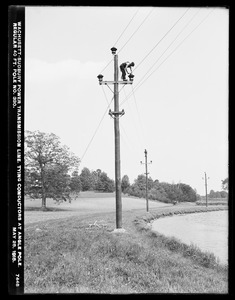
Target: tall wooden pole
[(206, 188), (116, 114), (146, 173), (117, 148)]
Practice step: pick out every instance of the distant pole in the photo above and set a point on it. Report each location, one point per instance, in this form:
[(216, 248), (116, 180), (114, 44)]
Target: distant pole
[(206, 178), (146, 173), (116, 114)]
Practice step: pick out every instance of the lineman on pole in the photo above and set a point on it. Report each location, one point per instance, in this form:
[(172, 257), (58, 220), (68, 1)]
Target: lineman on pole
[(123, 68)]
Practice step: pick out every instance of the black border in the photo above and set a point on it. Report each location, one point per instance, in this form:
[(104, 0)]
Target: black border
[(16, 145), (16, 13)]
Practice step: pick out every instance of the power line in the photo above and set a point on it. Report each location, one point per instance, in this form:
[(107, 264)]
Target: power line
[(140, 83), (119, 39), (161, 39), (136, 30), (105, 95), (170, 44), (177, 47), (135, 127), (138, 114), (126, 27), (166, 49), (97, 128)]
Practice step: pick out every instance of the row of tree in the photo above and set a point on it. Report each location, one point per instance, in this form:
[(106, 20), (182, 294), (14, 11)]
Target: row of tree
[(218, 194), (96, 181), (161, 191), (51, 171)]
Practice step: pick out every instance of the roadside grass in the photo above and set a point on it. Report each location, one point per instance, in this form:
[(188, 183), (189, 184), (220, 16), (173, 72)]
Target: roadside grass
[(74, 256)]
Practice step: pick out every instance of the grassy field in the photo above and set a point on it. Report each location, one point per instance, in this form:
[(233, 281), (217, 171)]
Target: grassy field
[(82, 254)]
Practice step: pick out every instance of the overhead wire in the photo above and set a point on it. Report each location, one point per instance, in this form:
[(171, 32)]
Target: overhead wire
[(161, 39), (108, 86), (119, 39), (141, 81), (105, 95), (165, 50), (97, 128), (136, 30), (138, 114), (178, 46), (126, 27), (135, 127), (171, 43)]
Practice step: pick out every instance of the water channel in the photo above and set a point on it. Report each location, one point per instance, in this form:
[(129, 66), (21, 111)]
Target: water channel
[(207, 230)]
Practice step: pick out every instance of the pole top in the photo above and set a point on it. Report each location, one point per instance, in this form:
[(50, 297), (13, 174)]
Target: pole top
[(113, 49)]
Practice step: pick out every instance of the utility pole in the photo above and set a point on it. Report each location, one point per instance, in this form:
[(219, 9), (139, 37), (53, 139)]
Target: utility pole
[(116, 114), (146, 173), (206, 178)]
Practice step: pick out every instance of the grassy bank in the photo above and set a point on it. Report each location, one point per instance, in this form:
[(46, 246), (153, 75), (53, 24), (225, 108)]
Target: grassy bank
[(83, 255)]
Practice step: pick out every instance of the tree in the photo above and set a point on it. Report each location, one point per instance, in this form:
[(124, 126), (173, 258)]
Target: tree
[(125, 184), (86, 179), (225, 184), (138, 188), (189, 194), (75, 183), (140, 182), (105, 184), (47, 164), (158, 193), (173, 191), (224, 194), (95, 179), (212, 194)]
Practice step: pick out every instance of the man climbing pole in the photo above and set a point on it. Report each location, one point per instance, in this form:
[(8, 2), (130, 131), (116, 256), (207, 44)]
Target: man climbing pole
[(123, 68)]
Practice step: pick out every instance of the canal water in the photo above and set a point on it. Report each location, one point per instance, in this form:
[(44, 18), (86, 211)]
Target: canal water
[(207, 230)]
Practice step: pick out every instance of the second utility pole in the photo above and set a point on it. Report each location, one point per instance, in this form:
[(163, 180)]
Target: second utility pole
[(146, 173), (116, 115), (206, 178)]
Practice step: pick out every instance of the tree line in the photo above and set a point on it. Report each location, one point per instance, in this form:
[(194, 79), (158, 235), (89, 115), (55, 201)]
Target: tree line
[(51, 171), (160, 191)]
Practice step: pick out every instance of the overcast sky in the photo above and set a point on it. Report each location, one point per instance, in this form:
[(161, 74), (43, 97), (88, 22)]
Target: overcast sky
[(177, 107)]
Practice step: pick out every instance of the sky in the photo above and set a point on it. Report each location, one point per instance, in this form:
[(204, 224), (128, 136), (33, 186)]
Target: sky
[(176, 108)]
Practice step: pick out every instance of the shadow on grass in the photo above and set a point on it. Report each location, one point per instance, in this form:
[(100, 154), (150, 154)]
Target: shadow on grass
[(46, 209)]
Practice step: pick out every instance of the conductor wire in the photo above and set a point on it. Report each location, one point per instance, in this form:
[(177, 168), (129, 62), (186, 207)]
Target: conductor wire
[(126, 27), (162, 38), (119, 39), (136, 30), (96, 130), (141, 81)]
